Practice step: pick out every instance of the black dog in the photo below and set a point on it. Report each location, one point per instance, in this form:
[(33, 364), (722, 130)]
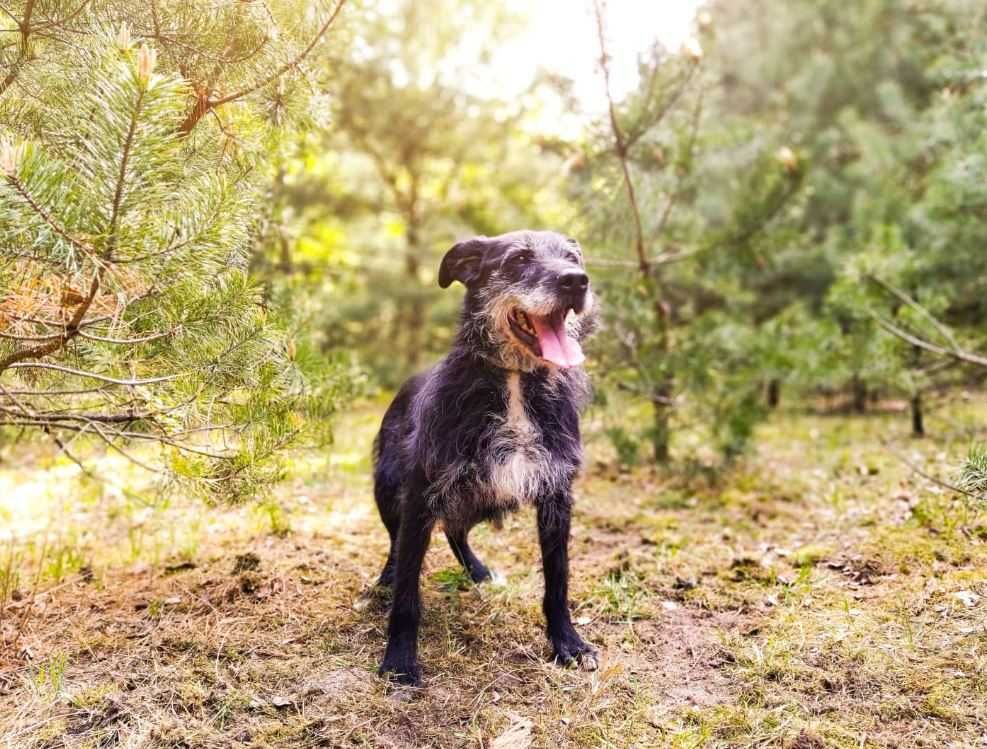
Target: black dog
[(493, 426)]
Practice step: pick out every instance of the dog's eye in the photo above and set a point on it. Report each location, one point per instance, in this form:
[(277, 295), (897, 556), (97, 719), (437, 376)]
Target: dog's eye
[(520, 258)]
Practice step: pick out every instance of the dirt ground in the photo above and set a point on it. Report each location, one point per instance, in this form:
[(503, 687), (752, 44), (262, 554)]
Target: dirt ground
[(818, 594)]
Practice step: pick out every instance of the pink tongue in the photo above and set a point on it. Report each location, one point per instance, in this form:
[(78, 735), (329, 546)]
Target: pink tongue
[(556, 346)]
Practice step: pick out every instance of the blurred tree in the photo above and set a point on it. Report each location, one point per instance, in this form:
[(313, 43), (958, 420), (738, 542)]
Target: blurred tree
[(441, 160), (848, 86)]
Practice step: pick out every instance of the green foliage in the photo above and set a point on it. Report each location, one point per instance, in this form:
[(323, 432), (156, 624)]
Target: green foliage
[(794, 205), (128, 316), (973, 475), (627, 446), (413, 162), (804, 191)]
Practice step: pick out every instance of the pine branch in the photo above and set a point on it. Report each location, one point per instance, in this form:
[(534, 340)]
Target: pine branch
[(901, 296), (24, 25), (204, 102), (26, 196), (128, 143), (71, 330), (958, 354), (92, 375)]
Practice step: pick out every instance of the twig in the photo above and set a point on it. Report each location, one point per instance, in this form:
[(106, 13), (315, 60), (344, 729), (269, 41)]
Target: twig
[(89, 417), (107, 339), (666, 258), (927, 476), (620, 145)]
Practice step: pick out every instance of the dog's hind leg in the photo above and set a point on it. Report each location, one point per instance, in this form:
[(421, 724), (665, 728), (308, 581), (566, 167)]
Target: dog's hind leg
[(387, 493), (459, 544)]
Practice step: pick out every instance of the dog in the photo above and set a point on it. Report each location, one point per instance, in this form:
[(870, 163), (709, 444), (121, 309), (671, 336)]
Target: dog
[(491, 428)]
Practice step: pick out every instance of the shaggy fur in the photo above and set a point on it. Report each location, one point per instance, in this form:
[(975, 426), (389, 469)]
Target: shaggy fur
[(492, 427)]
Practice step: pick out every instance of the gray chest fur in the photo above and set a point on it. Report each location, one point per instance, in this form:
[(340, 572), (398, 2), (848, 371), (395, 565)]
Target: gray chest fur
[(520, 467)]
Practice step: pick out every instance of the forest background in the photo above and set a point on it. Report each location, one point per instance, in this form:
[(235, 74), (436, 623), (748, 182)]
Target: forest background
[(220, 224)]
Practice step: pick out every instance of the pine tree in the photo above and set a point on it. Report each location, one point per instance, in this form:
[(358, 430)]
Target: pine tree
[(127, 318), (679, 231)]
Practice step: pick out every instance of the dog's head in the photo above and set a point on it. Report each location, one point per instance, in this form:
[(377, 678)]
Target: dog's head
[(528, 301)]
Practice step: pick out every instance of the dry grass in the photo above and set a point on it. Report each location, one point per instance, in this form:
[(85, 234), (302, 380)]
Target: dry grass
[(817, 596)]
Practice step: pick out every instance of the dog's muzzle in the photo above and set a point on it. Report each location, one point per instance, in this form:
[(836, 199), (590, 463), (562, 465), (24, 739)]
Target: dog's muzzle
[(543, 328), (571, 287)]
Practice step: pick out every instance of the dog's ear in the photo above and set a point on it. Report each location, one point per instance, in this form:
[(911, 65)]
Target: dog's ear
[(462, 262)]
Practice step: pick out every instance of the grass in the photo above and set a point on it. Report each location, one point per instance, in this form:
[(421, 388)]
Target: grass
[(817, 594)]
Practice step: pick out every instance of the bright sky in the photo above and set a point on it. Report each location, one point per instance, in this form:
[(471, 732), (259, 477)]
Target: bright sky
[(561, 37)]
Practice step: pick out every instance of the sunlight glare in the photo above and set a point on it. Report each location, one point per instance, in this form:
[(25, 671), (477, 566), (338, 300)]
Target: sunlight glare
[(561, 37)]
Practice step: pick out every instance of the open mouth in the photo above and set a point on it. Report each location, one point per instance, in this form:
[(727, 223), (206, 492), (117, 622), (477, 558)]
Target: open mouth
[(546, 336)]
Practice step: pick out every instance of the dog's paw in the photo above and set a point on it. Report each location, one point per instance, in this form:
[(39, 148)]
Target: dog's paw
[(570, 649), (406, 673), (480, 573)]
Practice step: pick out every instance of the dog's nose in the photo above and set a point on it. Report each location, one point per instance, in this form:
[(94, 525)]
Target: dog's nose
[(573, 281)]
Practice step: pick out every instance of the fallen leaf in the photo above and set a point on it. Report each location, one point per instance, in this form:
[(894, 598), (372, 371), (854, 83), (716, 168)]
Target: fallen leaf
[(281, 700), (516, 736), (967, 597)]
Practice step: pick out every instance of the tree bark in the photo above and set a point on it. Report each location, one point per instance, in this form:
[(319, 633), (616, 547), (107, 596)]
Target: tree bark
[(859, 392), (661, 436), (773, 394), (415, 313), (918, 416)]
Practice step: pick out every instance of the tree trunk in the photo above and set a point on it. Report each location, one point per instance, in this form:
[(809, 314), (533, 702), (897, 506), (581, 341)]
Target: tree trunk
[(918, 417), (415, 313), (285, 260), (661, 436), (774, 393), (661, 399), (859, 388)]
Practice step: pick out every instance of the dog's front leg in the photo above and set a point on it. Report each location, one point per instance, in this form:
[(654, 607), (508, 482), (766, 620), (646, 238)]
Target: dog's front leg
[(401, 656), (553, 534)]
